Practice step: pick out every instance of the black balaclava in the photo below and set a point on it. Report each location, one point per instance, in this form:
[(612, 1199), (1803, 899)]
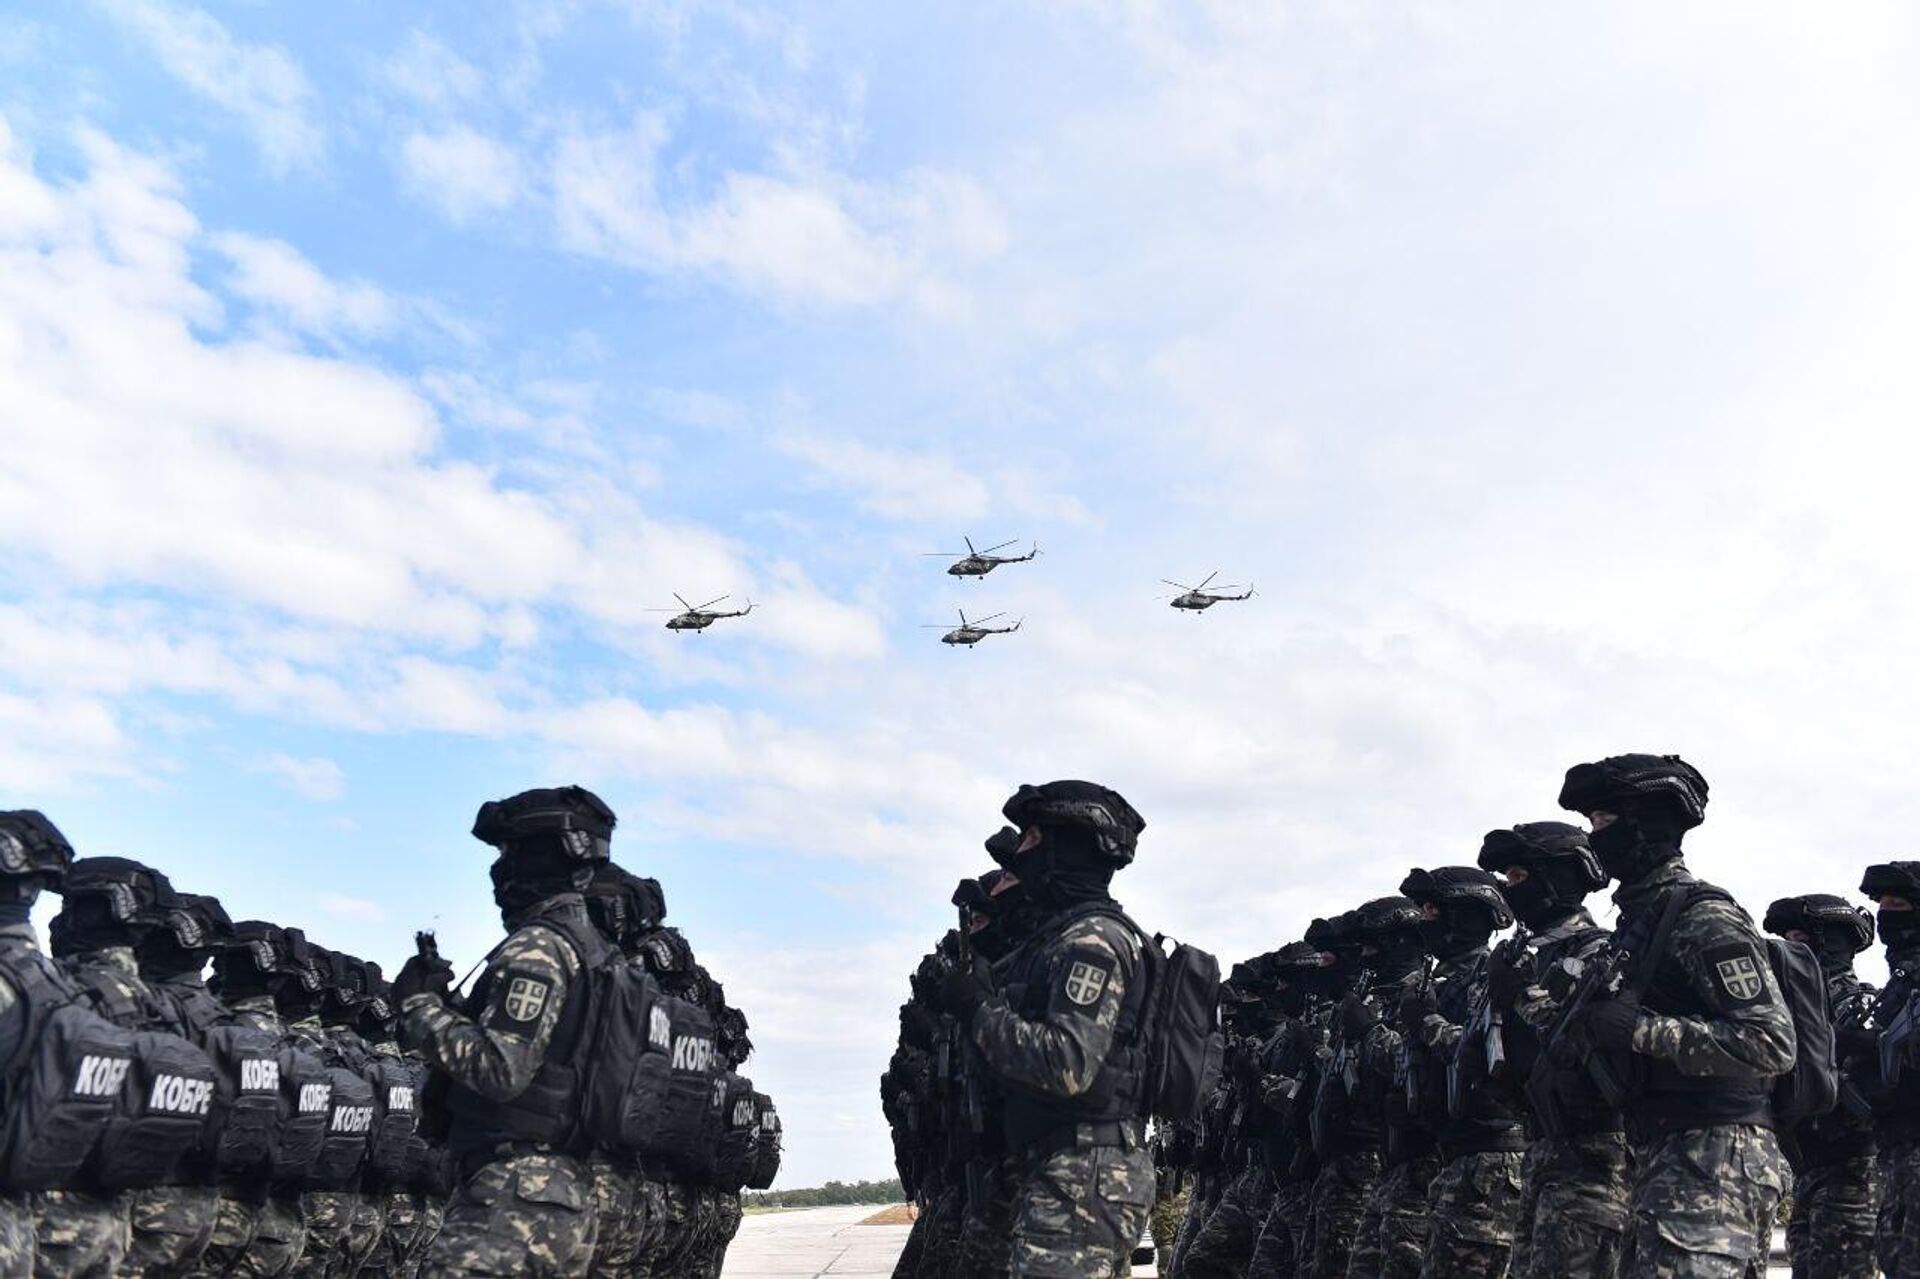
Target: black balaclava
[(1899, 929), (624, 907), (533, 872), (1342, 964), (1066, 868)]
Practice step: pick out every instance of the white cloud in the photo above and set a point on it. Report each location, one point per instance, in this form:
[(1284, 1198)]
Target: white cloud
[(814, 237), (894, 483), (259, 83), (462, 172), (358, 909), (314, 777), (274, 275), (431, 74)]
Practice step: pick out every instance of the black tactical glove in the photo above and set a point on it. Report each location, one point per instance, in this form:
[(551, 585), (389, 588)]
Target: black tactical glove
[(422, 975), (1610, 1024), (1357, 1017), (1415, 1007), (1507, 977), (965, 989)]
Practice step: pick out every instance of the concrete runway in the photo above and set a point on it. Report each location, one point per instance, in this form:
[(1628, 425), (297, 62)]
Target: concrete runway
[(813, 1242)]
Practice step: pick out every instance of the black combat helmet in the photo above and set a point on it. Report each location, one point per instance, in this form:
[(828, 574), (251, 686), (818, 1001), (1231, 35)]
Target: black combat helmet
[(1114, 826), (32, 845), (187, 929), (624, 906), (566, 819), (1637, 786), (1838, 929)]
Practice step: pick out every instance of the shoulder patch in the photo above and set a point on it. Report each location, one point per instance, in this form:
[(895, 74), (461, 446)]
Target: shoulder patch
[(523, 998), (1084, 978), (1738, 973)]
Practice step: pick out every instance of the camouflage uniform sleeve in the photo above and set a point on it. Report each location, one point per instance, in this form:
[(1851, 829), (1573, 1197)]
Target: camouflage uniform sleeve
[(1725, 963), (12, 1020), (1087, 977), (497, 1053)]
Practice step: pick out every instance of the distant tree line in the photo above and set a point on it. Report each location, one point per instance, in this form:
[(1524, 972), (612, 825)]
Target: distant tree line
[(834, 1192)]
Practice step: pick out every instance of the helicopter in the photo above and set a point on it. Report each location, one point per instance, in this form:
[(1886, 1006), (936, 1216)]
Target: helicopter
[(698, 619), (980, 563), (1195, 599), (971, 633)]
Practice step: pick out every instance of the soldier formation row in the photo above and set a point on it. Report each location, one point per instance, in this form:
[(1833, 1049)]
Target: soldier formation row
[(1405, 1095), (579, 1112)]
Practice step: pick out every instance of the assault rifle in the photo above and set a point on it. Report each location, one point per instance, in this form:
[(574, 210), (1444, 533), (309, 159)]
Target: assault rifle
[(1896, 1041), (1409, 1065), (1486, 1030), (1346, 1058)]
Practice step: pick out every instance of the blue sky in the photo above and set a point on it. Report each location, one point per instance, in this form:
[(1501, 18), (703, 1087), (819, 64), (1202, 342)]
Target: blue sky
[(365, 376)]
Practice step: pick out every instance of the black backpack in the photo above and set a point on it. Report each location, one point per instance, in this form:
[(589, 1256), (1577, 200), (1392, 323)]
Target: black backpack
[(1180, 1025), (349, 1126), (246, 1108), (629, 1065), (396, 1110), (63, 1083), (682, 1131), (739, 1118), (306, 1106), (1812, 1087), (765, 1165)]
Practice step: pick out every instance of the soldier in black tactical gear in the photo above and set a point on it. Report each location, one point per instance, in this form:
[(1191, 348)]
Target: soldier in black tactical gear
[(1222, 1242), (109, 906), (409, 1216), (1000, 916), (1474, 1202), (629, 1197), (1346, 1130), (1895, 1095), (1830, 1230), (79, 1233), (259, 1228), (1300, 1003), (509, 1052), (356, 1210), (1574, 1182), (1394, 947), (1699, 1028), (1065, 1036)]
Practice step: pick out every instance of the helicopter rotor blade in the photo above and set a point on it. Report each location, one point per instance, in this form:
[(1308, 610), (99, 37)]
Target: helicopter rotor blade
[(683, 601), (709, 604), (984, 620), (1208, 578), (1003, 546), (969, 542), (1182, 585)]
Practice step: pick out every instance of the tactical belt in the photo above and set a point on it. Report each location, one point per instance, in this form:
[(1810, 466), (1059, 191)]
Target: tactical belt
[(1128, 1134), (472, 1161)]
